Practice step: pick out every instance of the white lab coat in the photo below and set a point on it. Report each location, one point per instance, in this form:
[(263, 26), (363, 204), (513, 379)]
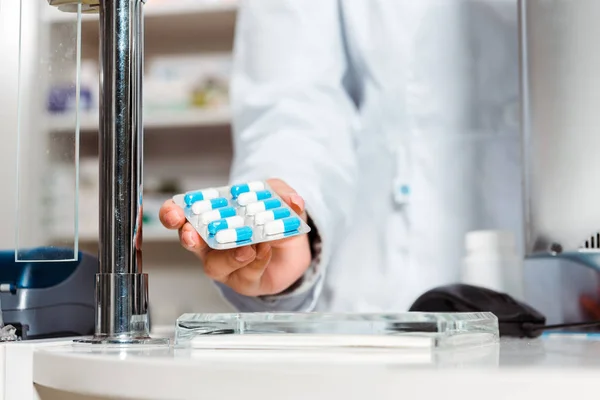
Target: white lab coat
[(344, 99)]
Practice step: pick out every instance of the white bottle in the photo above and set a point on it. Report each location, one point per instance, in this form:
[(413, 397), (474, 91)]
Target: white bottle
[(492, 262)]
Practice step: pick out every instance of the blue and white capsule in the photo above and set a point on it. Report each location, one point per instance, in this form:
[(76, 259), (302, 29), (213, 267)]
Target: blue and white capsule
[(267, 216), (236, 190), (226, 223), (240, 234), (285, 225), (199, 195), (219, 213), (252, 197), (270, 204), (203, 206)]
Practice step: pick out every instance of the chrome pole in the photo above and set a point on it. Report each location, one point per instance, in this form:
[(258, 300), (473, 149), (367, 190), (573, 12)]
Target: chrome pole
[(121, 286)]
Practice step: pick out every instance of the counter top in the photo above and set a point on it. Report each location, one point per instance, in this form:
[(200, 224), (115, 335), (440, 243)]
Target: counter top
[(516, 369)]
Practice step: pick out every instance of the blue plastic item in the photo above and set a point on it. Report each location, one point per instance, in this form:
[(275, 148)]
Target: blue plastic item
[(36, 275), (48, 299)]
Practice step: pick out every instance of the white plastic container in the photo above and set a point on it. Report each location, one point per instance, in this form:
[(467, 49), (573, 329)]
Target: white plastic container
[(492, 262)]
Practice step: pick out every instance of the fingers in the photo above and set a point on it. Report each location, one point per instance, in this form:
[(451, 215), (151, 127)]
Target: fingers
[(289, 195), (171, 215), (191, 241), (241, 269), (220, 264), (296, 202), (248, 280)]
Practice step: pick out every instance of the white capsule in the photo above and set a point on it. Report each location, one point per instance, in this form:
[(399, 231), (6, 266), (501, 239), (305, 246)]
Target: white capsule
[(263, 217), (210, 216), (226, 223), (219, 213), (267, 216), (203, 206), (200, 206), (236, 190), (254, 208), (226, 236), (282, 226), (273, 228), (199, 195), (208, 194), (234, 235), (246, 198), (265, 205)]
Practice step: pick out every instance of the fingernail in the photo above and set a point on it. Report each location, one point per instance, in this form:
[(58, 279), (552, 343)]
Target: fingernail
[(188, 239), (263, 253), (243, 254), (297, 200), (172, 218)]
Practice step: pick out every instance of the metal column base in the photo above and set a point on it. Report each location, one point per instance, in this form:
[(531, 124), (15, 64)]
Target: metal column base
[(122, 311), (108, 340)]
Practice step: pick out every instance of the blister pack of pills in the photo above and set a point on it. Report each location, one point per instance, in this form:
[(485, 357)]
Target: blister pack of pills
[(240, 215)]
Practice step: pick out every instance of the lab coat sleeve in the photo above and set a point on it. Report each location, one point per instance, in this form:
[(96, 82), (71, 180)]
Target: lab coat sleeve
[(294, 120)]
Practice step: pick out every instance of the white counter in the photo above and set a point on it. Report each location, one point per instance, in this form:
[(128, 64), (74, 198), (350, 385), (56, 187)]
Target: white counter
[(543, 368)]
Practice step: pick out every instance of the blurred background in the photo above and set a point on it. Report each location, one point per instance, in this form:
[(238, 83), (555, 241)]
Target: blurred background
[(187, 142), (187, 133)]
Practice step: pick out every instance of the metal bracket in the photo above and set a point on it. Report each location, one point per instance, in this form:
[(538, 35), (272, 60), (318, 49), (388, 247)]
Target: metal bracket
[(71, 6)]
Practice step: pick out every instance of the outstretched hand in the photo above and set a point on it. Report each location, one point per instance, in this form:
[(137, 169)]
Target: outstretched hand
[(255, 270)]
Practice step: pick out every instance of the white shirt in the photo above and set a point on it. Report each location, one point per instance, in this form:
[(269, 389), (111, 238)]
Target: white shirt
[(349, 100)]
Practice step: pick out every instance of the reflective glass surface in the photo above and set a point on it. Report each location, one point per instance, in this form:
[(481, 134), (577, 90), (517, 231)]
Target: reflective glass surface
[(49, 101), (350, 330)]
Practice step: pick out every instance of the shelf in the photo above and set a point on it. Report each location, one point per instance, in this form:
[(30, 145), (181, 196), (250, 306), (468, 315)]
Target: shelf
[(180, 27), (156, 120), (190, 6), (155, 9)]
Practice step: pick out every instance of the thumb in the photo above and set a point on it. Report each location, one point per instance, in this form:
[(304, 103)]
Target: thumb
[(289, 196), (296, 202)]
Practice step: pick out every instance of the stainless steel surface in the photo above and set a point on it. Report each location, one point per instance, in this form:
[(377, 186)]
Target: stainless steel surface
[(122, 310), (121, 136), (121, 287), (133, 309), (561, 93)]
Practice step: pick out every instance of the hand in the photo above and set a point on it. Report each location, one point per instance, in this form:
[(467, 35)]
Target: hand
[(256, 270), (589, 306)]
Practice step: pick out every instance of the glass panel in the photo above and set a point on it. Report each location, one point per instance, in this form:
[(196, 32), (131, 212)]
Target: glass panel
[(560, 103), (48, 135), (286, 330)]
